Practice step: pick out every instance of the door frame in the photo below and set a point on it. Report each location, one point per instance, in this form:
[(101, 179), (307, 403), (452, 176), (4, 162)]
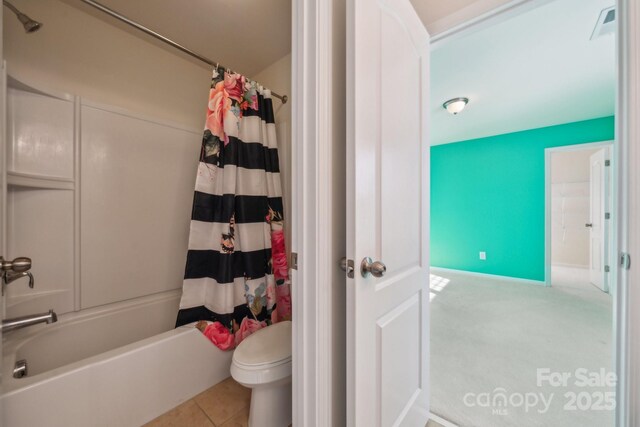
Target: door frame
[(316, 32), (613, 184), (628, 159), (318, 201)]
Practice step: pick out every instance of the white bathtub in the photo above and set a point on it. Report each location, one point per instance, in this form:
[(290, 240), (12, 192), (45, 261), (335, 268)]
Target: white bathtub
[(117, 365)]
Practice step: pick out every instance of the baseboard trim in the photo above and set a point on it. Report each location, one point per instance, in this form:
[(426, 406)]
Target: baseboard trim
[(441, 421), (576, 266), (489, 276)]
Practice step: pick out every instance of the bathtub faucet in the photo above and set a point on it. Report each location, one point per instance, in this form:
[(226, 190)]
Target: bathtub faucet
[(24, 321)]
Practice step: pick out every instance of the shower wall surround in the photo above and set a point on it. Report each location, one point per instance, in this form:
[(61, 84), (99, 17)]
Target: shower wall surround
[(98, 197), (103, 63)]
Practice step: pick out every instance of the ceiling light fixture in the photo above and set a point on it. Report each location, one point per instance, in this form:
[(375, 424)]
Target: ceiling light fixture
[(455, 105)]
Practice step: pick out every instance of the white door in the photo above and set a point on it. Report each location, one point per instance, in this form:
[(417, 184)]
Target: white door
[(3, 188), (597, 226), (387, 214)]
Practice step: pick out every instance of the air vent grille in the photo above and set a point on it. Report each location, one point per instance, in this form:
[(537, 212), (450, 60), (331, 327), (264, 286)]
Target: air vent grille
[(611, 16), (606, 23)]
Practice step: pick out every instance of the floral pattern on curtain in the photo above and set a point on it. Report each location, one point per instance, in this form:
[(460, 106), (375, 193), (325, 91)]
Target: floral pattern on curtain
[(236, 277)]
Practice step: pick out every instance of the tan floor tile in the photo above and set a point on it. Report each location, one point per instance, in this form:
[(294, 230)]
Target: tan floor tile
[(432, 423), (224, 400), (241, 419), (187, 414)]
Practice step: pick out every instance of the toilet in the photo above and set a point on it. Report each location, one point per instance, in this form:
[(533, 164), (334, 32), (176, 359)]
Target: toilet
[(262, 362)]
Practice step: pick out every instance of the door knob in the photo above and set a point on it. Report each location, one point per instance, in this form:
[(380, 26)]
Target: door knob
[(588, 225), (376, 268)]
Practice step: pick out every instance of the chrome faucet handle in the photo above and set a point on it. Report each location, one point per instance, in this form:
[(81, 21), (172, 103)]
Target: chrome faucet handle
[(10, 276), (18, 265), (12, 270)]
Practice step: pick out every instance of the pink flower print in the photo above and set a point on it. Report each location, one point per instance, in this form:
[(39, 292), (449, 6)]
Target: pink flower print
[(280, 266), (219, 335), (219, 105), (271, 295), (284, 307), (284, 301), (277, 240), (234, 85), (247, 327), (250, 96), (279, 256)]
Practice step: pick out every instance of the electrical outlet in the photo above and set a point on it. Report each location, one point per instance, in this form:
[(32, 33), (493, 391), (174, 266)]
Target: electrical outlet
[(483, 255)]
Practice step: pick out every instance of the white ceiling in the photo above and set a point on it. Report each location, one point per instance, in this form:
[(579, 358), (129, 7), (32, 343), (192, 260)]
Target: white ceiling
[(439, 15), (244, 35), (536, 69), (262, 28)]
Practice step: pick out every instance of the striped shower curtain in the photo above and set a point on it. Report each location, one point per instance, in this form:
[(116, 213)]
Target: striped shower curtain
[(236, 276)]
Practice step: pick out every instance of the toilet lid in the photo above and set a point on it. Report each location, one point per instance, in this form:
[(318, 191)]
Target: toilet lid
[(268, 346)]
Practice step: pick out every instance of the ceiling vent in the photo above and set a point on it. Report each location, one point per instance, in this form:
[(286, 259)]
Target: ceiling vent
[(606, 23)]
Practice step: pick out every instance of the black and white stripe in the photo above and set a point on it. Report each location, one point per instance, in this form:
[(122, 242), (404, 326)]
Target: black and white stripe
[(243, 181)]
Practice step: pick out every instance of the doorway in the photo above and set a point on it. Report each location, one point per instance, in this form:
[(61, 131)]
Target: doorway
[(496, 329), (580, 217)]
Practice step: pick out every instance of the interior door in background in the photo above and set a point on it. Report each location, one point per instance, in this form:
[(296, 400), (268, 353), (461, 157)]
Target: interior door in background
[(598, 230), (387, 214)]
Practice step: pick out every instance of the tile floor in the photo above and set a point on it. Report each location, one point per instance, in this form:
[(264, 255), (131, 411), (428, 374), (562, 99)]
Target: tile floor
[(224, 405)]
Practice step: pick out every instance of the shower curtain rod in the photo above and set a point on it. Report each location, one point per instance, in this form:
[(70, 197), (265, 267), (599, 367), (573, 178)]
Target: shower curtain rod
[(162, 38)]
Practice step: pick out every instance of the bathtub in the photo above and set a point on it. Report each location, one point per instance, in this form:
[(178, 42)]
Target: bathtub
[(117, 365)]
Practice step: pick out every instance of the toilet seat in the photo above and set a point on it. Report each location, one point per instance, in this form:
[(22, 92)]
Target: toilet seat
[(264, 356)]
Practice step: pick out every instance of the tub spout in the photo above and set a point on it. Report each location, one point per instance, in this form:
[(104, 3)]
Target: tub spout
[(24, 321)]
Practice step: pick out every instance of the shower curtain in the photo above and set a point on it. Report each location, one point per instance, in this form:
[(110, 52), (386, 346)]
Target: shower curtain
[(236, 275)]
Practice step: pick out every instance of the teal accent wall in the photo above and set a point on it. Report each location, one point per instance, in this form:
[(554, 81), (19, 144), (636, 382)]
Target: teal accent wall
[(488, 194)]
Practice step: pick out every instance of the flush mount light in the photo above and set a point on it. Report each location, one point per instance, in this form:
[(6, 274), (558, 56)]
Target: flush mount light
[(455, 105)]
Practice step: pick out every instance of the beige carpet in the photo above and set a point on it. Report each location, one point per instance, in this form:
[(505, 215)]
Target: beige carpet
[(489, 337)]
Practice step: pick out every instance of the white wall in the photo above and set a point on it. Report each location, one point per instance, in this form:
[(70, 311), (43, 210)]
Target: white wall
[(570, 207), (77, 53)]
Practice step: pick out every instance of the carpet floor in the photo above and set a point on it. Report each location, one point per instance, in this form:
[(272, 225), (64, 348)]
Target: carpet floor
[(505, 353)]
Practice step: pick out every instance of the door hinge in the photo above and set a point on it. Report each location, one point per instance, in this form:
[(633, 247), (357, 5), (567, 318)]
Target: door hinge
[(625, 260), (607, 162), (607, 269), (607, 215), (294, 261)]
